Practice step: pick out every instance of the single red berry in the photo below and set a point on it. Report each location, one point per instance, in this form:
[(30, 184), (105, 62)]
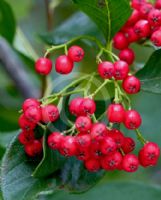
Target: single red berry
[(83, 141), (33, 114), (111, 162), (117, 136), (26, 137), (87, 106), (54, 140), (25, 124), (149, 154), (127, 55), (128, 145), (83, 123), (95, 150), (106, 70), (145, 10), (158, 4), (83, 154), (98, 131), (154, 17), (33, 148), (30, 102), (92, 165), (74, 106), (119, 41), (156, 38), (135, 16), (131, 85), (137, 3), (121, 70), (50, 113), (76, 53), (68, 146), (130, 163), (132, 119), (142, 28), (131, 35), (43, 66), (115, 113), (108, 146), (63, 65)]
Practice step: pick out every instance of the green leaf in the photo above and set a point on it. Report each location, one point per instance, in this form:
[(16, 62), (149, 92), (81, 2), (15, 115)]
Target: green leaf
[(7, 21), (109, 15), (150, 74), (114, 190)]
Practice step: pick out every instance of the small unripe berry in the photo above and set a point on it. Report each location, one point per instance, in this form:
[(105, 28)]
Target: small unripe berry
[(132, 119), (106, 70), (131, 85), (115, 113), (130, 163), (50, 113), (63, 65), (119, 41), (127, 55), (121, 70), (33, 148), (83, 123), (76, 53), (43, 66)]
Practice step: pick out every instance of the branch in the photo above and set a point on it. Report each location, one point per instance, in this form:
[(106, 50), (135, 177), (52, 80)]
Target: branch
[(16, 70)]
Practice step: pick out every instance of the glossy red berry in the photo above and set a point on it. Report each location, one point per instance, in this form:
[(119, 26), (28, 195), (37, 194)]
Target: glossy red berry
[(87, 106), (26, 137), (149, 154), (115, 113), (95, 150), (92, 165), (119, 41), (83, 123), (33, 114), (135, 16), (106, 70), (111, 162), (63, 65), (83, 141), (145, 10), (137, 3), (74, 106), (98, 131), (33, 148), (54, 140), (156, 38), (117, 136), (50, 113), (76, 53), (131, 35), (128, 145), (68, 146), (25, 124), (130, 163), (121, 70), (83, 154), (131, 85), (127, 55), (30, 102), (132, 119), (108, 146), (158, 4), (142, 28), (43, 66), (154, 17)]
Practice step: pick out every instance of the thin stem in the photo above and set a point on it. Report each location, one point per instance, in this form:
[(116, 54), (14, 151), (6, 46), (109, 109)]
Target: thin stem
[(44, 82), (48, 15), (140, 137), (94, 118), (112, 54), (116, 99)]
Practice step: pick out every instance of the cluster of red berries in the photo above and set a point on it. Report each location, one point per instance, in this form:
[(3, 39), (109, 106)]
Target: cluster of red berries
[(64, 64), (33, 114)]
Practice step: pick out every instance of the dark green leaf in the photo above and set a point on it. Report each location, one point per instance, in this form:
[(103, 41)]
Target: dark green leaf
[(7, 21), (109, 15), (150, 74)]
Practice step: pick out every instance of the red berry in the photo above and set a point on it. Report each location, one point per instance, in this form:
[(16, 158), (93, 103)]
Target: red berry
[(68, 146), (25, 124), (33, 114), (87, 106), (74, 106), (50, 113), (156, 38), (106, 70), (137, 3), (149, 154), (33, 148), (127, 55), (130, 163), (76, 53), (111, 162), (142, 28), (83, 141), (131, 35), (92, 165), (95, 150), (132, 119), (135, 16), (158, 4), (98, 131), (30, 102), (121, 70), (128, 145), (83, 154), (119, 41), (54, 140), (108, 146), (145, 10), (117, 136), (115, 113), (154, 17), (63, 65), (131, 85), (83, 123), (43, 66), (26, 137)]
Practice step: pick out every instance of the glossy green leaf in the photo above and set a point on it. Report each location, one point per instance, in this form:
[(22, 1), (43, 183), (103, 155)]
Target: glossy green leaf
[(7, 21), (150, 74)]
